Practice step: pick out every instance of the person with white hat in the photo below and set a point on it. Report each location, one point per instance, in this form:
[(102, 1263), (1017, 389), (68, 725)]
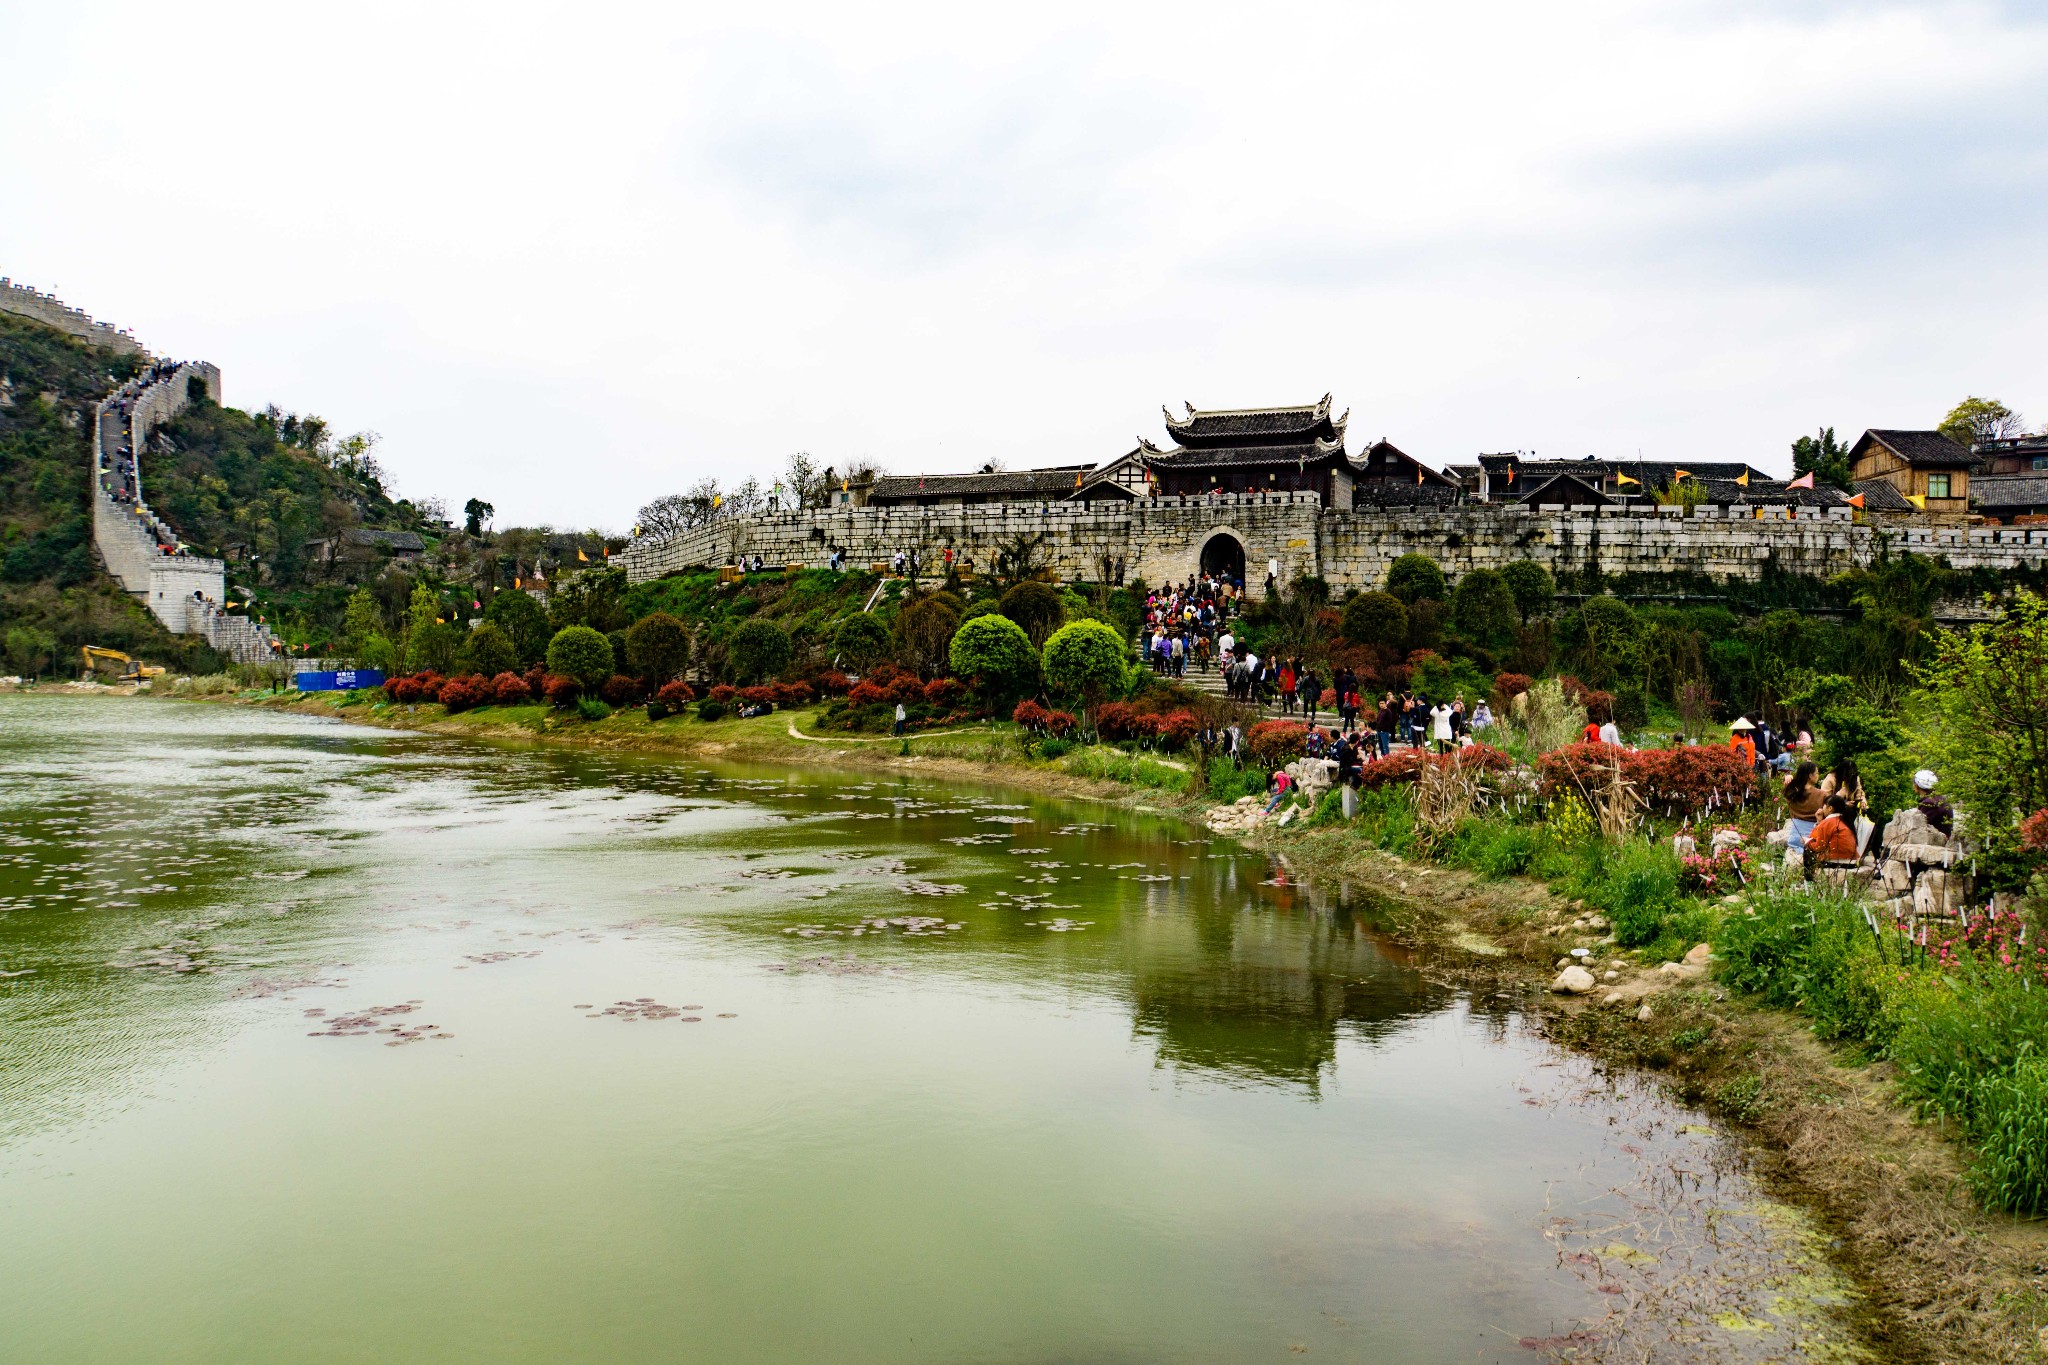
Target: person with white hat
[(1739, 740), (1939, 813)]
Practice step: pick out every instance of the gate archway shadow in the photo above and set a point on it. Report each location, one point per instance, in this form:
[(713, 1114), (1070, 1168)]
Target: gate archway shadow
[(1223, 556)]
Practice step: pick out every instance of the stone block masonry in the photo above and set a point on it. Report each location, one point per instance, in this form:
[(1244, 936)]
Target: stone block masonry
[(1161, 539), (23, 301)]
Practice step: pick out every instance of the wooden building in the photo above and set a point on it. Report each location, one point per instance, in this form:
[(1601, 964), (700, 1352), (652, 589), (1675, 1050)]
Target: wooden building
[(1925, 467)]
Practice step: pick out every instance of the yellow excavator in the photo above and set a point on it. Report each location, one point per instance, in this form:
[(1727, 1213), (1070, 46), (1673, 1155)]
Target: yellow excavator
[(131, 671)]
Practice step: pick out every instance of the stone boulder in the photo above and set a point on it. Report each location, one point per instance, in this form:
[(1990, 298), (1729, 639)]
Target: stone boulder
[(1313, 777), (1574, 981), (1725, 839), (1683, 845)]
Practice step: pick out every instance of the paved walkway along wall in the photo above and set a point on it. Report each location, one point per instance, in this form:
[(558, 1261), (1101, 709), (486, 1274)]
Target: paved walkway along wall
[(1161, 539)]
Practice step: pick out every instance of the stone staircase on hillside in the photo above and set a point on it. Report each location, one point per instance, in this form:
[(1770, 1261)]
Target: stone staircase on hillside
[(1208, 680)]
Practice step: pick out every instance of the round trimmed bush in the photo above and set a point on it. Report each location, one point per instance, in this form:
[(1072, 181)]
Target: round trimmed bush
[(993, 655), (658, 647), (1085, 659), (757, 650), (581, 653)]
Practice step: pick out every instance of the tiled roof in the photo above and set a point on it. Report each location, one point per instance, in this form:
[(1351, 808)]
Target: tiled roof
[(1920, 449), (1383, 459), (1879, 496), (2009, 490), (398, 541), (1399, 493), (1770, 493), (1256, 426), (1652, 473), (1569, 488), (1055, 482)]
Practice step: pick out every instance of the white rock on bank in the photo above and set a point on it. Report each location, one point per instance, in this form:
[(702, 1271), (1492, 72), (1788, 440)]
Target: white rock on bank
[(1574, 981)]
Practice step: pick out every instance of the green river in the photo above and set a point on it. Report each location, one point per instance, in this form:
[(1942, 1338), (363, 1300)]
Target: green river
[(882, 1070)]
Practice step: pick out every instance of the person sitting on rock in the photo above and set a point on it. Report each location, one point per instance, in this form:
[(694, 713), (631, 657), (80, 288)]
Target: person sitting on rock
[(1834, 839), (1940, 815), (1283, 786)]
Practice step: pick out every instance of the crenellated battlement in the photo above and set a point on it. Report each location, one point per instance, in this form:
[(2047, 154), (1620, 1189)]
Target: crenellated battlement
[(26, 301), (1161, 538)]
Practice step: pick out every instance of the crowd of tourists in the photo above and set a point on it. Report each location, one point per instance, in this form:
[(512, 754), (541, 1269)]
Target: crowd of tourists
[(118, 478)]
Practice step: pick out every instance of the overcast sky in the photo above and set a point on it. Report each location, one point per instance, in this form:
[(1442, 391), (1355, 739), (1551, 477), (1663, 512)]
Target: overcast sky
[(566, 258)]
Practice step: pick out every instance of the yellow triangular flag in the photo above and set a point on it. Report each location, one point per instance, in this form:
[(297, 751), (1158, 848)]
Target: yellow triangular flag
[(582, 557), (1418, 476), (516, 583), (1621, 478), (718, 502), (1919, 500), (1743, 478)]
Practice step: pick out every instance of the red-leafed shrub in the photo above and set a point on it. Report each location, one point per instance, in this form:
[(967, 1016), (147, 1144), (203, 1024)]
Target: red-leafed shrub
[(1508, 686), (762, 695), (1329, 700), (1277, 743), (906, 688), (1690, 780), (1683, 781), (864, 693), (1574, 690), (1117, 720), (536, 679), (1400, 766), (676, 695), (945, 692), (1578, 767), (509, 689), (1030, 715), (1396, 677), (1477, 757), (722, 694), (791, 693), (1178, 730), (620, 690), (833, 683), (430, 685), (884, 673), (1060, 724), (405, 691), (561, 691), (2034, 831), (459, 694), (1599, 706)]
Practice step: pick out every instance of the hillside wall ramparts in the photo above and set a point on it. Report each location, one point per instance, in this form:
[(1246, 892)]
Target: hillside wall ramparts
[(37, 306), (1160, 539)]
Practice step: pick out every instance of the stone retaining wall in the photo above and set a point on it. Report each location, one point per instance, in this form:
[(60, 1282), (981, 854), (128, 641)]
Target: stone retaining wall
[(1160, 539)]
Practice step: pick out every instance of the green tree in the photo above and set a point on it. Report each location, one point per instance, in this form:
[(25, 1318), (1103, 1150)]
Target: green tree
[(422, 610), (1483, 609), (581, 653), (29, 650), (658, 646), (488, 651), (1376, 618), (1414, 577), (594, 598), (379, 653), (1037, 608), (524, 622), (757, 650), (362, 617), (433, 647), (924, 633), (1086, 660), (1533, 587), (993, 655), (475, 513), (1822, 456), (1848, 726), (1600, 641), (1981, 419), (1986, 691), (860, 642)]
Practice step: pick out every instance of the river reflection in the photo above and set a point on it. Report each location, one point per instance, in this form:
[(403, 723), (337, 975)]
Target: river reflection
[(321, 1042)]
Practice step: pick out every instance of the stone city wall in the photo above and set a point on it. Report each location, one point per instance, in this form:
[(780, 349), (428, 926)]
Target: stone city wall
[(30, 303), (1161, 539)]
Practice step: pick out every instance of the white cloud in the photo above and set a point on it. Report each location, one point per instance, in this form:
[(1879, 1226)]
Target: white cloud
[(566, 262)]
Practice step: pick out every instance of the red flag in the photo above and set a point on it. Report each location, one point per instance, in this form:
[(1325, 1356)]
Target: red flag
[(1803, 481)]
